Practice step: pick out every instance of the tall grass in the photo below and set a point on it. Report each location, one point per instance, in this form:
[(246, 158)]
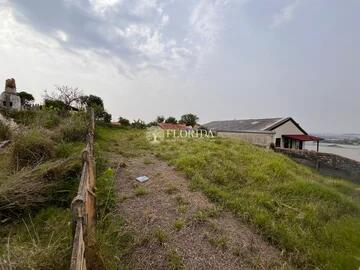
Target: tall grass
[(35, 231), (32, 147), (315, 219), (5, 132), (41, 241)]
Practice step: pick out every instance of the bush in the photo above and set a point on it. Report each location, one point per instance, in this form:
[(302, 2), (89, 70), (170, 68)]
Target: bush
[(31, 148), (5, 132), (47, 118), (74, 128), (123, 121)]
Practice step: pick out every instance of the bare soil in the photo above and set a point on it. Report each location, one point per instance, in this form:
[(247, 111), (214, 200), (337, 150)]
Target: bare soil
[(178, 228)]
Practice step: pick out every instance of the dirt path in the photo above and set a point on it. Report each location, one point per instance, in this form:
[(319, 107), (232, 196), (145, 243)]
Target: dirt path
[(181, 229)]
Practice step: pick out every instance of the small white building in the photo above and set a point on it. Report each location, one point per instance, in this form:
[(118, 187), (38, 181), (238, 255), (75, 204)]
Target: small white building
[(9, 98), (282, 132)]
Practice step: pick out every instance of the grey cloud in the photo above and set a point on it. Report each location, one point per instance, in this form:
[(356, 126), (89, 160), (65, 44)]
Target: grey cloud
[(99, 32)]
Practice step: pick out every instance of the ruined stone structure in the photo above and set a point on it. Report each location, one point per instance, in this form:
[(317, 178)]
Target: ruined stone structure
[(9, 97)]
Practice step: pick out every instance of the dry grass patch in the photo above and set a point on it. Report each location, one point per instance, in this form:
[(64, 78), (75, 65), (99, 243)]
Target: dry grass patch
[(31, 148), (140, 191), (30, 189), (171, 189)]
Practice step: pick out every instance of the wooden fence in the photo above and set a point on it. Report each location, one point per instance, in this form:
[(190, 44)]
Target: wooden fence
[(83, 206)]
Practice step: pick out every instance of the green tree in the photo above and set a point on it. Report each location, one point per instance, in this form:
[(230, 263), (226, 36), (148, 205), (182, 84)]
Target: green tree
[(91, 101), (160, 119), (189, 119), (26, 98), (171, 120), (107, 117), (55, 104), (138, 124), (96, 103), (123, 121)]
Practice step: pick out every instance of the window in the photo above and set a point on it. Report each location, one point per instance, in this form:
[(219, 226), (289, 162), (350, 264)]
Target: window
[(10, 104), (278, 142), (4, 103)]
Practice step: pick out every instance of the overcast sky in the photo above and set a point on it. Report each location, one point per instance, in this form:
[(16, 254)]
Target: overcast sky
[(219, 59)]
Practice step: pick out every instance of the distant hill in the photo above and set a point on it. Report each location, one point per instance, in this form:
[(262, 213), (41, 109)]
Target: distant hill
[(347, 138)]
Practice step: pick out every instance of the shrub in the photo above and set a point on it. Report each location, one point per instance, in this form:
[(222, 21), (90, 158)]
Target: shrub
[(47, 118), (22, 117), (32, 147), (5, 132), (74, 128), (123, 121)]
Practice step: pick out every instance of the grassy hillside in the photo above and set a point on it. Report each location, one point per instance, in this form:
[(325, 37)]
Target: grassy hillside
[(315, 219)]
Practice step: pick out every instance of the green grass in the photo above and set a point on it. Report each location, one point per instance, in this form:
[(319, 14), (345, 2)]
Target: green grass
[(114, 243), (110, 236), (123, 141), (40, 241), (314, 218)]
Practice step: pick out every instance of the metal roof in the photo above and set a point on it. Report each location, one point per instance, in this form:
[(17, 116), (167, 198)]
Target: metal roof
[(247, 124)]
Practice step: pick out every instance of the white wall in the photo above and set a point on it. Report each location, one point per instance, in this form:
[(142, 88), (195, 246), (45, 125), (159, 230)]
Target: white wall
[(258, 138), (286, 129)]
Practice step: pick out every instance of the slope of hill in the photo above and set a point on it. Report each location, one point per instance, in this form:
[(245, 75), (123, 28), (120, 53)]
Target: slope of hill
[(314, 218)]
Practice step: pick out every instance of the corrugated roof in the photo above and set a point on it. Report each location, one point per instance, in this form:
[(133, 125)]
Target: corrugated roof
[(242, 125)]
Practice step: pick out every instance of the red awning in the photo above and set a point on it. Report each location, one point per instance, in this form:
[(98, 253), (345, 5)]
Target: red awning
[(303, 138)]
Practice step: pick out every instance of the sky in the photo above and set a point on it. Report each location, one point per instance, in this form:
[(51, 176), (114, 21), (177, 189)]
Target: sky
[(218, 59)]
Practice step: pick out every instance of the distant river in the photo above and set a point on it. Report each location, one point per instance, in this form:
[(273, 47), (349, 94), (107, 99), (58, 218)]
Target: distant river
[(349, 151)]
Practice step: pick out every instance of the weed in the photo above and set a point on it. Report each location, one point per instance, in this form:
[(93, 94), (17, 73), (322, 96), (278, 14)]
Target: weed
[(160, 235), (175, 262), (140, 191), (219, 241), (183, 205), (148, 161), (171, 189), (179, 224)]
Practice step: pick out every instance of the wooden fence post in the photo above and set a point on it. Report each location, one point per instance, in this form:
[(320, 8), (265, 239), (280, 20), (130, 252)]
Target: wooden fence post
[(83, 207)]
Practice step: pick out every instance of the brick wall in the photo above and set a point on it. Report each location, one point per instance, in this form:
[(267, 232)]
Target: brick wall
[(328, 164)]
